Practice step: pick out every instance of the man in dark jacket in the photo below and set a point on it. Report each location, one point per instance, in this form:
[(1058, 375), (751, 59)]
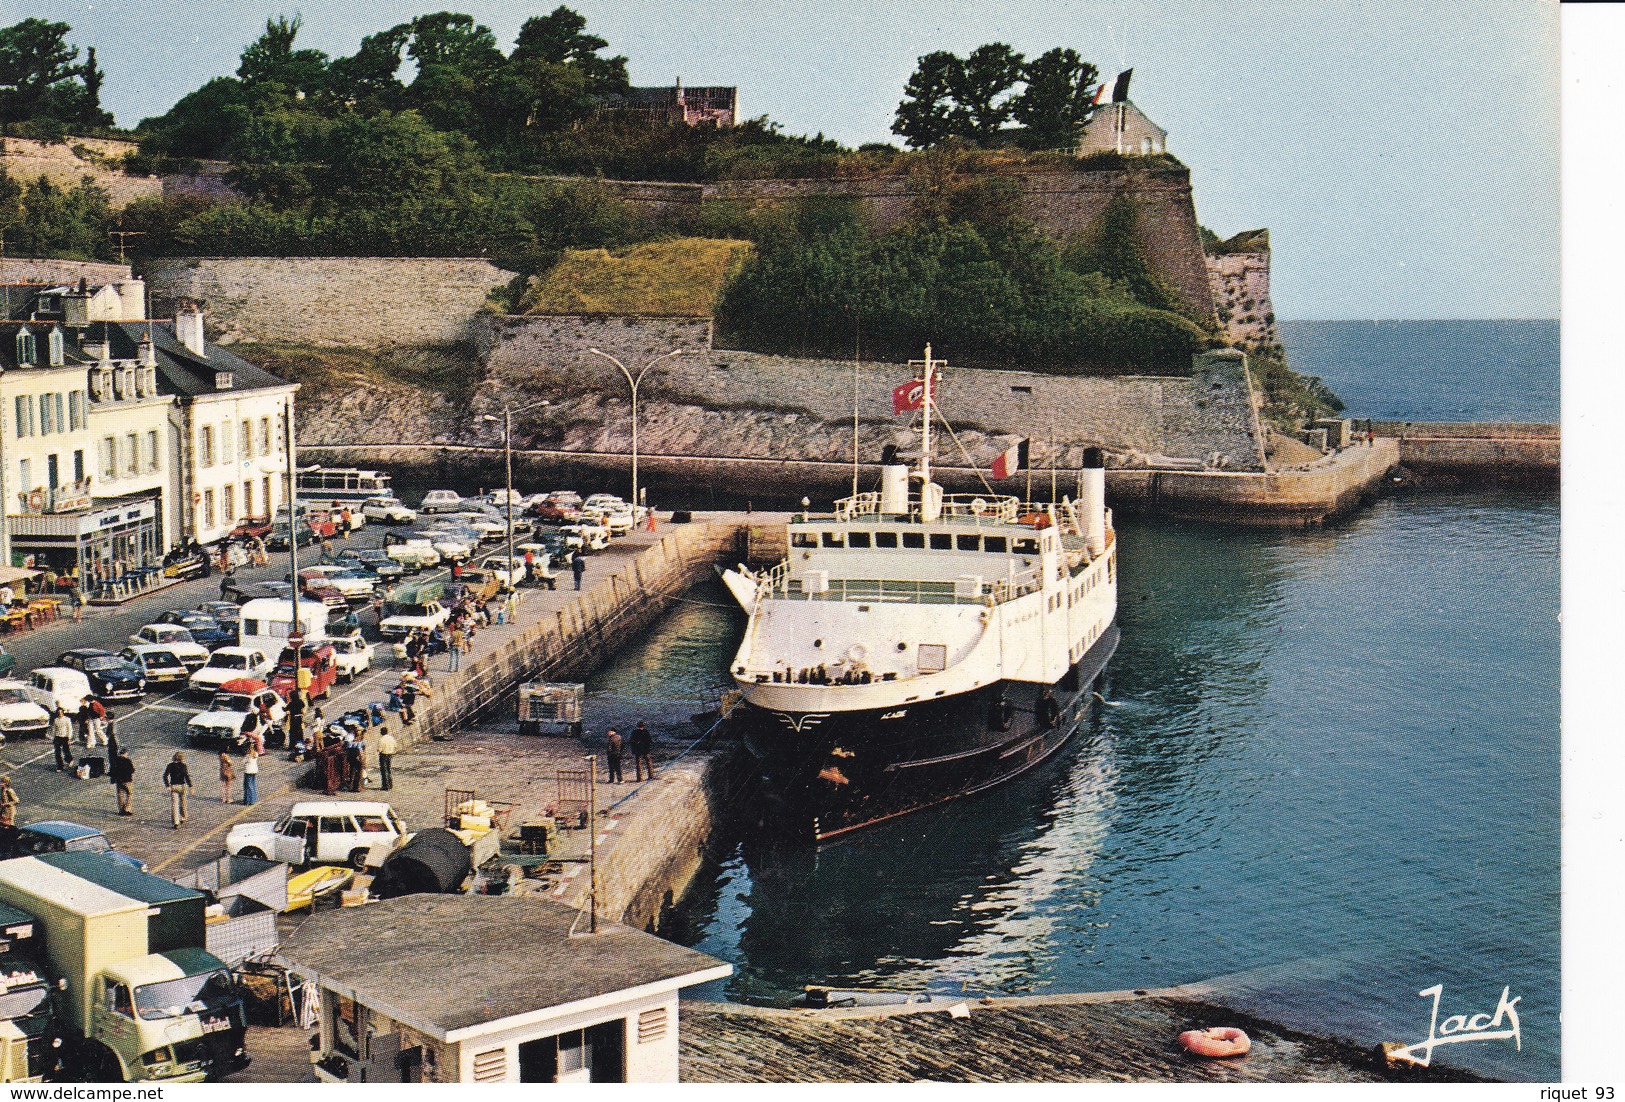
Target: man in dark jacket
[(178, 779), (642, 743), (121, 772), (578, 566)]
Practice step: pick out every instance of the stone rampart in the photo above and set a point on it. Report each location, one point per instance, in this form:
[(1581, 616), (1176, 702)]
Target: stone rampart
[(46, 270), (65, 164), (344, 301), (1240, 284)]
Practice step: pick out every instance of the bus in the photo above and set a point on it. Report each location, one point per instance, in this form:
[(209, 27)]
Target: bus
[(321, 485)]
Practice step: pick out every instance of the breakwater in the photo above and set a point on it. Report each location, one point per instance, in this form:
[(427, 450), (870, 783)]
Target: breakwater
[(1477, 451)]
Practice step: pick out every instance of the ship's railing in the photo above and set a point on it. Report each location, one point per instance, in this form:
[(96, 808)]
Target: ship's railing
[(998, 510), (777, 583)]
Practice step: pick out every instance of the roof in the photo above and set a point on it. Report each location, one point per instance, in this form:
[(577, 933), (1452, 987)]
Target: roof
[(41, 878), (61, 828), (115, 876), (488, 959), (182, 372)]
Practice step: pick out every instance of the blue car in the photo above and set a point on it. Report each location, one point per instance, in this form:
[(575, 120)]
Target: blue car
[(206, 630), (110, 677), (61, 836)]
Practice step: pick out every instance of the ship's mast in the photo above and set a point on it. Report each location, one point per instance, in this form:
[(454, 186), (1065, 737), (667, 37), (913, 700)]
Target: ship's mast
[(925, 428)]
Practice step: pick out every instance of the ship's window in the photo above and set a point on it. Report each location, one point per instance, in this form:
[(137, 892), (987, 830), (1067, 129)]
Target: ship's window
[(803, 539), (996, 544), (914, 539), (857, 539), (933, 657), (1026, 545), (834, 539), (970, 543), (941, 541), (885, 539)]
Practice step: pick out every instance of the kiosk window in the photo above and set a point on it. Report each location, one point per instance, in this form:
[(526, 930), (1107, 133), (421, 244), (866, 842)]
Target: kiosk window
[(857, 539), (970, 543)]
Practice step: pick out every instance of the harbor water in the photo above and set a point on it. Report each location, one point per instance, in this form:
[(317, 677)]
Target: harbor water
[(1326, 771)]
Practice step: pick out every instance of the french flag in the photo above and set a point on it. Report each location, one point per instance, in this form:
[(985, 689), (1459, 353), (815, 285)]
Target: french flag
[(1014, 459)]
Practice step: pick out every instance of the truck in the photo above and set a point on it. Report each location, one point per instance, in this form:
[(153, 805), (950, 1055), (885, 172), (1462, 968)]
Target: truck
[(138, 997), (30, 1037)]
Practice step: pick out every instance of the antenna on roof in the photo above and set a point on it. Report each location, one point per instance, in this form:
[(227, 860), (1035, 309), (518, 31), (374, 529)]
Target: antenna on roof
[(121, 235)]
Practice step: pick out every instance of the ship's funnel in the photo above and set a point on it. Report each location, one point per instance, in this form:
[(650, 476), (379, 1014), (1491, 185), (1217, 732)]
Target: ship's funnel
[(1092, 500), (894, 490)]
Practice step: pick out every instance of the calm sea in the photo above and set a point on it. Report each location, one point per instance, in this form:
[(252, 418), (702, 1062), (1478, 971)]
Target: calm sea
[(1326, 776)]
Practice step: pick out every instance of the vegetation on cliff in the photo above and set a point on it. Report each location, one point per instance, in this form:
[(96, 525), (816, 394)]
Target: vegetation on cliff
[(682, 277)]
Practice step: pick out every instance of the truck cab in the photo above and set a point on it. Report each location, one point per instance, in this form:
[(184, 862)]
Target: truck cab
[(178, 1010), (30, 1040)]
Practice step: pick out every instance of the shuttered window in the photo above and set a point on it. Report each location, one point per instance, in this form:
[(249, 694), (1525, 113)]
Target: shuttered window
[(492, 1066), (652, 1025)]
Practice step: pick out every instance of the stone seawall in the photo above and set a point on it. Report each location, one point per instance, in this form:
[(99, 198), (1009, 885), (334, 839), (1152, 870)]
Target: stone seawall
[(369, 302), (1477, 451)]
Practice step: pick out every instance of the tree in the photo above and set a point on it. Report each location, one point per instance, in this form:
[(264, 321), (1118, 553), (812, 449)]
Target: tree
[(39, 82), (1056, 101), (983, 89), (927, 116), (558, 39), (270, 66)]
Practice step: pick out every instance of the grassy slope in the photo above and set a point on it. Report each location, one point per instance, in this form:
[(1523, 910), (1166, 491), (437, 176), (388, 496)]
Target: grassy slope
[(675, 278)]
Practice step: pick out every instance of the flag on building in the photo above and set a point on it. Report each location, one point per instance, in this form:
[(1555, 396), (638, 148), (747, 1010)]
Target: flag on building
[(910, 395), (1099, 92), (1014, 459), (1120, 89)]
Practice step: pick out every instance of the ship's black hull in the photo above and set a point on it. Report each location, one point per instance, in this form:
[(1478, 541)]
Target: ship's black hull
[(829, 775)]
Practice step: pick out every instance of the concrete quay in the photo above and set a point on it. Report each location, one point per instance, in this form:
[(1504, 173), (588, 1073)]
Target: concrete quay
[(1473, 452)]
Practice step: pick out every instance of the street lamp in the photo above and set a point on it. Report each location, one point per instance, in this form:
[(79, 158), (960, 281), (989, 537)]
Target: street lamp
[(507, 453), (633, 383)]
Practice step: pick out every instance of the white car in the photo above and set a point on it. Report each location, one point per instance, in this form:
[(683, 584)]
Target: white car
[(69, 688), (221, 727), (322, 832), (24, 710), (450, 545), (416, 553), (388, 510), (497, 499), (351, 655), (409, 618), (483, 523), (441, 501), (228, 664), (158, 664), (604, 500), (177, 640), (343, 579), (618, 522), (594, 537)]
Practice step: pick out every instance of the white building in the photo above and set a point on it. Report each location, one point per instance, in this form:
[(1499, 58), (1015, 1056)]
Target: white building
[(1121, 128), (120, 436), (483, 989)]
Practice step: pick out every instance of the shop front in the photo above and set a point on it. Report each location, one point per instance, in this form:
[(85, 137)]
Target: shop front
[(107, 539)]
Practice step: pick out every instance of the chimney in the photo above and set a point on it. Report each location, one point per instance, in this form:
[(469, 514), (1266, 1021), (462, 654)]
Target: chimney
[(189, 328), (132, 295), (145, 354)]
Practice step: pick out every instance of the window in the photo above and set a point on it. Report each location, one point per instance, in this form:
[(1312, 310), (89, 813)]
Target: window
[(152, 450), (132, 460), (225, 442), (942, 541), (206, 446), (265, 436), (54, 344), (914, 540), (248, 499), (25, 347), (61, 421), (969, 543), (834, 539), (996, 544), (76, 410), (336, 824), (228, 504), (373, 824), (885, 539), (208, 508), (52, 472), (803, 539), (247, 449), (79, 465), (265, 494), (857, 539), (109, 458), (25, 415), (46, 424), (279, 440), (25, 474)]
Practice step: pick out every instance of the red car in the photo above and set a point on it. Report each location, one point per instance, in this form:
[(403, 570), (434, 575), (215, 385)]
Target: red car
[(325, 592), (317, 657), (251, 528), (554, 511)]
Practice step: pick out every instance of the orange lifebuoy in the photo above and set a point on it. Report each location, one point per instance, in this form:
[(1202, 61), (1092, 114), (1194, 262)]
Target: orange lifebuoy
[(36, 500), (1217, 1043)]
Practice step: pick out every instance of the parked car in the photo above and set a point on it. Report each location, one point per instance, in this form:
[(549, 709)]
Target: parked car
[(352, 655), (159, 665), (111, 677), (8, 662), (480, 585), (69, 688), (413, 553), (449, 545), (187, 562), (225, 613), (557, 511), (487, 527), (321, 832), (206, 630), (441, 501), (316, 657), (320, 589), (594, 537), (232, 709), (228, 664), (616, 522), (24, 710), (388, 510), (347, 582), (61, 836), (177, 639), (251, 528), (407, 618), (375, 560), (278, 540)]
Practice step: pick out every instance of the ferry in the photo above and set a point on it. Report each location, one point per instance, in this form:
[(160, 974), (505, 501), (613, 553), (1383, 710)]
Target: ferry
[(916, 647), (348, 485)]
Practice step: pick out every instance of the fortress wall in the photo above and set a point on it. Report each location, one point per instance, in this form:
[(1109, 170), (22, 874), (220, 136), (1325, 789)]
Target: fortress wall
[(65, 164)]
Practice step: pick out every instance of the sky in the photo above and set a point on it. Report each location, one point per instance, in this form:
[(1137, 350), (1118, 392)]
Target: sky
[(1404, 156)]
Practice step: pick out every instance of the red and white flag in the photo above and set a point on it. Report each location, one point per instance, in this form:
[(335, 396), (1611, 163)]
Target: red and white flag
[(910, 395), (1014, 459)]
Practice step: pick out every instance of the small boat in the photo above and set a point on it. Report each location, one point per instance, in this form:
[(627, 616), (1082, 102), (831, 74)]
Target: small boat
[(306, 887), (823, 998)]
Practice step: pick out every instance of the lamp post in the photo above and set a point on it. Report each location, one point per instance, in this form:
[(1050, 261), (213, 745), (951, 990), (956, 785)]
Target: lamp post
[(633, 382), (507, 455)]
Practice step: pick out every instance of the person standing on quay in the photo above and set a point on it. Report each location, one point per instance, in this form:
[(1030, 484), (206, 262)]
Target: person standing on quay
[(613, 755), (251, 777), (227, 776), (8, 797), (178, 779), (643, 744), (62, 738), (454, 648), (387, 746), (578, 566), (121, 774)]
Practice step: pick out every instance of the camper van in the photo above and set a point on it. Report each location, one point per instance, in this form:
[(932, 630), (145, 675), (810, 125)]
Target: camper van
[(266, 620)]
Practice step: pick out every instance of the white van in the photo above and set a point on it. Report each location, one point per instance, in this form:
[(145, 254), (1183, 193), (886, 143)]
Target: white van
[(70, 688), (265, 622)]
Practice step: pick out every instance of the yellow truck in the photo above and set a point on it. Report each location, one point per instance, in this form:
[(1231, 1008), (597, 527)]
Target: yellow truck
[(139, 998)]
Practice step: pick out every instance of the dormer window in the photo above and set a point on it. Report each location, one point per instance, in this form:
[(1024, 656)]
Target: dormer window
[(101, 386), (222, 380), (25, 347), (146, 381), (55, 349)]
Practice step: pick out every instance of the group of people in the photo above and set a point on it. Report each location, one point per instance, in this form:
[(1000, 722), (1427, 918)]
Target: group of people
[(95, 723), (641, 744)]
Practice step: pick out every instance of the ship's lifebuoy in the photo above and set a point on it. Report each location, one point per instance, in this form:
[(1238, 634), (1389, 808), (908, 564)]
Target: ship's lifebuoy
[(856, 653), (196, 498), (36, 500), (1217, 1043)]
